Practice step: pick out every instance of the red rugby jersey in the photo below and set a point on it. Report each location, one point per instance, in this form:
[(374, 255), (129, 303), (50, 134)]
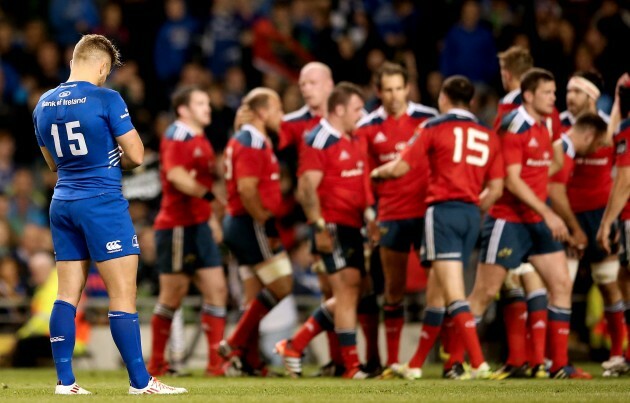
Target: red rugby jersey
[(295, 126), (344, 191), (588, 178), (526, 142), (513, 100), (386, 136), (250, 154), (622, 156), (180, 146), (462, 155)]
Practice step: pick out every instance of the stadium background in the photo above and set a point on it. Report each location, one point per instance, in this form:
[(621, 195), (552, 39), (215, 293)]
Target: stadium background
[(231, 46)]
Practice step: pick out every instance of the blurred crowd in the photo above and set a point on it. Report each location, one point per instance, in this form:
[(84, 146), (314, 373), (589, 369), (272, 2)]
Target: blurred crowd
[(231, 46)]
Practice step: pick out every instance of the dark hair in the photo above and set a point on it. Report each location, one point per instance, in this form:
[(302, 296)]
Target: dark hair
[(624, 101), (390, 69), (591, 120), (459, 90), (517, 60), (342, 93), (181, 96), (533, 77), (97, 43), (592, 76)]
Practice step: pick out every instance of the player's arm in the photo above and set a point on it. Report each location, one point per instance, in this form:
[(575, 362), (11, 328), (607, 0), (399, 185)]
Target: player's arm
[(615, 112), (307, 184), (186, 183), (560, 204), (307, 190), (391, 170), (247, 188), (616, 202), (515, 184), (132, 150), (492, 192), (558, 158), (49, 159)]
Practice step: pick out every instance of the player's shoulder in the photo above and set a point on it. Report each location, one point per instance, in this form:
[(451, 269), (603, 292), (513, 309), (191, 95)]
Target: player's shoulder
[(567, 146), (566, 118), (301, 115), (517, 121), (513, 97), (605, 117), (419, 111), (178, 131), (250, 137), (452, 116), (373, 118), (322, 136)]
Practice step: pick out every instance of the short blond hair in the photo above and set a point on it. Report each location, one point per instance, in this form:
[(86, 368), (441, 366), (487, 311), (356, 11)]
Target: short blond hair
[(517, 60), (258, 98), (89, 46)]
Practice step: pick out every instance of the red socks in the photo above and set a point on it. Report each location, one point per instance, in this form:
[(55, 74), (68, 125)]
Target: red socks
[(258, 308), (394, 318), (213, 324), (431, 326), (515, 319), (559, 323), (467, 329), (161, 331)]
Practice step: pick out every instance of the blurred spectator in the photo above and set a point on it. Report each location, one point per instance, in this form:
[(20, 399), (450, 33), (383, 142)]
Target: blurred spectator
[(25, 205), (51, 69), (235, 86), (274, 48), (7, 168), (10, 285), (112, 26), (71, 18), (469, 47), (221, 40), (221, 127), (7, 239), (33, 338), (173, 43)]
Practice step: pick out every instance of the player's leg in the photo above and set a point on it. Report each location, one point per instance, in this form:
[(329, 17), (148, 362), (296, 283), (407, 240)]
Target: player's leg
[(211, 282), (431, 325), (255, 245), (537, 319), (549, 259), (450, 238), (335, 366), (394, 249), (173, 289), (515, 321), (72, 256), (624, 285), (368, 317), (113, 244), (174, 282)]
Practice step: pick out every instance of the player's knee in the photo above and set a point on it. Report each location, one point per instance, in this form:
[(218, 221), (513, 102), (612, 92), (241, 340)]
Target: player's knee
[(605, 272), (276, 274)]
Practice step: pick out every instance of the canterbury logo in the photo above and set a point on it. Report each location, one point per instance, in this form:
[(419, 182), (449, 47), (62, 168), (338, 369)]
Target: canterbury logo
[(113, 246), (56, 339)]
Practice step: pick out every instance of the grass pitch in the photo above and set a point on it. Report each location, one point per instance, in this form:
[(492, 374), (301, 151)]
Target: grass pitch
[(37, 385)]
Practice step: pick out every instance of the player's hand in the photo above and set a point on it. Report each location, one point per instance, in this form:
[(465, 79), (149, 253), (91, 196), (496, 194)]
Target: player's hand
[(374, 175), (323, 242), (374, 232), (603, 237), (217, 231), (558, 228), (243, 116), (579, 240)]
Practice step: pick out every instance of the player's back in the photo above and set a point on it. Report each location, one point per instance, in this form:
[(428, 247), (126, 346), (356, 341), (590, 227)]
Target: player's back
[(461, 152), (78, 123)]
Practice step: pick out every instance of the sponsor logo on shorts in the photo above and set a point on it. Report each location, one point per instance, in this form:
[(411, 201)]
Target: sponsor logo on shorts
[(57, 338), (113, 246), (505, 252)]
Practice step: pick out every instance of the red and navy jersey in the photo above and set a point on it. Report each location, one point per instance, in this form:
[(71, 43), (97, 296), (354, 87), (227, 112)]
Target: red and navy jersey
[(250, 154), (588, 178), (462, 155), (344, 191), (513, 100), (526, 142), (386, 136), (622, 156), (295, 126), (180, 146)]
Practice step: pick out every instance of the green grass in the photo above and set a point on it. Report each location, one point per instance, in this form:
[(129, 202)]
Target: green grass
[(37, 385)]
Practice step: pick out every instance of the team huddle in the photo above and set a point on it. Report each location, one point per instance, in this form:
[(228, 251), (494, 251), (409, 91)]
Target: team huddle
[(536, 192)]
